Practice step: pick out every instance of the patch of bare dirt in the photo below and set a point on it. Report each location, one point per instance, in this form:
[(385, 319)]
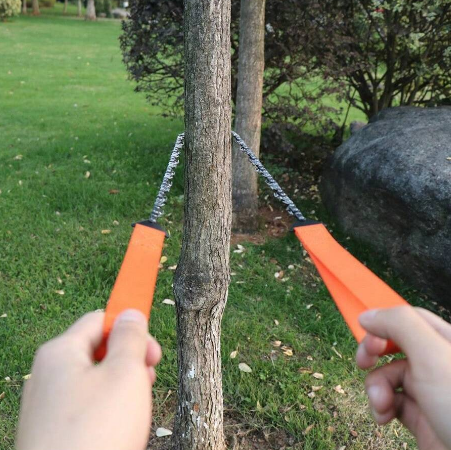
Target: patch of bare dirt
[(274, 223)]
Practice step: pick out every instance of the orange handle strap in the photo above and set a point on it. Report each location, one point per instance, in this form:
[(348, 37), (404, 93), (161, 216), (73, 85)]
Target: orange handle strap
[(353, 286), (135, 284)]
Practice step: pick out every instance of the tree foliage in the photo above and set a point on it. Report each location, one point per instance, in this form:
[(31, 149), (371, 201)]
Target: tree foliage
[(9, 8), (373, 53), (391, 52), (152, 45)]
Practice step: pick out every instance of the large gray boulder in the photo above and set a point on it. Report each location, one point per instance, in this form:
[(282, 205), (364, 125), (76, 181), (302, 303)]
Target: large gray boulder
[(390, 186)]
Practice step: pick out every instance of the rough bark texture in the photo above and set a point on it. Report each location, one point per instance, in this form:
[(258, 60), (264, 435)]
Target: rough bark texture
[(91, 10), (390, 185), (35, 4), (202, 277), (248, 113), (24, 6), (79, 8)]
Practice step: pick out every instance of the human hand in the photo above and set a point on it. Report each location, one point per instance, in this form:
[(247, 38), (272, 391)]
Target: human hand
[(415, 390), (69, 403)]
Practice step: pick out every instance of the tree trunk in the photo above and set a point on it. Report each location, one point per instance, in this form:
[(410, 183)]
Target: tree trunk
[(65, 7), (91, 10), (35, 4), (79, 14), (24, 6), (202, 276), (248, 113)]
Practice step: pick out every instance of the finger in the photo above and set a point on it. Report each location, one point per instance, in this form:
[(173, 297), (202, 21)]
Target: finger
[(408, 329), (408, 412), (129, 337), (153, 355), (441, 326), (369, 350), (87, 331), (381, 383)]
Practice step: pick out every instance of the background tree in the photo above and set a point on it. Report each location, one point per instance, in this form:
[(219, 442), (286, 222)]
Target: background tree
[(248, 116), (9, 8), (35, 5), (202, 276), (395, 52), (91, 10), (79, 9), (24, 7), (65, 7)]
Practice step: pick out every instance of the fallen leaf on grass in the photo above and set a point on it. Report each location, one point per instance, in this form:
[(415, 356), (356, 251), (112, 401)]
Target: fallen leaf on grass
[(60, 292), (161, 432), (309, 306), (309, 358), (168, 301), (316, 388), (26, 377), (106, 231), (18, 157), (3, 316), (318, 376), (163, 259), (234, 354), (2, 396), (244, 368), (277, 343), (114, 191), (240, 249), (276, 322), (354, 433), (339, 389), (311, 395), (172, 267), (305, 370), (115, 222), (87, 174), (308, 429), (288, 352), (331, 429)]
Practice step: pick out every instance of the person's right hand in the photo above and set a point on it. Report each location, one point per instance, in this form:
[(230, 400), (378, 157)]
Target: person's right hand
[(415, 390)]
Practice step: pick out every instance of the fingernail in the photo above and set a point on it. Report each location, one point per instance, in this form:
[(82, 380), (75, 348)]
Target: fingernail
[(367, 316), (131, 315), (373, 393)]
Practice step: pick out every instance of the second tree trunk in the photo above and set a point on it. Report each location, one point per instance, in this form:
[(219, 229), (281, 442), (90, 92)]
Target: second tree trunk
[(248, 113)]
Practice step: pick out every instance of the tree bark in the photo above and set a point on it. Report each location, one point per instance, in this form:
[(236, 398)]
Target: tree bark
[(65, 7), (202, 276), (251, 65), (91, 10), (36, 11), (79, 14), (24, 6)]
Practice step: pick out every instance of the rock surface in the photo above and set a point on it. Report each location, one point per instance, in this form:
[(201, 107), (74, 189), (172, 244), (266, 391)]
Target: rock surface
[(390, 185)]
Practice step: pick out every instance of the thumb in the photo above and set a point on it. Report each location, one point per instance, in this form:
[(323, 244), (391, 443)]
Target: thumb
[(408, 329), (128, 338)]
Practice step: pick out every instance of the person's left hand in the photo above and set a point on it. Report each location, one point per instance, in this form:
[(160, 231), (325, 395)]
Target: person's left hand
[(72, 404)]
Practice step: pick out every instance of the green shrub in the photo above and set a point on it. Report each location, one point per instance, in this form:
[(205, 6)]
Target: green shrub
[(9, 8)]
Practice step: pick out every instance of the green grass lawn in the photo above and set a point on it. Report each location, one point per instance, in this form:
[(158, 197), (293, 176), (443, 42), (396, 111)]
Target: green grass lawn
[(67, 111)]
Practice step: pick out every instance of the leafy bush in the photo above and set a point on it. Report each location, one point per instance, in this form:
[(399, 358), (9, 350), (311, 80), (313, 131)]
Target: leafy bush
[(152, 46), (9, 8)]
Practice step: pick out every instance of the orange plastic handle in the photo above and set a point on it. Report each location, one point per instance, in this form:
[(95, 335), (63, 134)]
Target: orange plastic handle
[(352, 285), (135, 284)]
